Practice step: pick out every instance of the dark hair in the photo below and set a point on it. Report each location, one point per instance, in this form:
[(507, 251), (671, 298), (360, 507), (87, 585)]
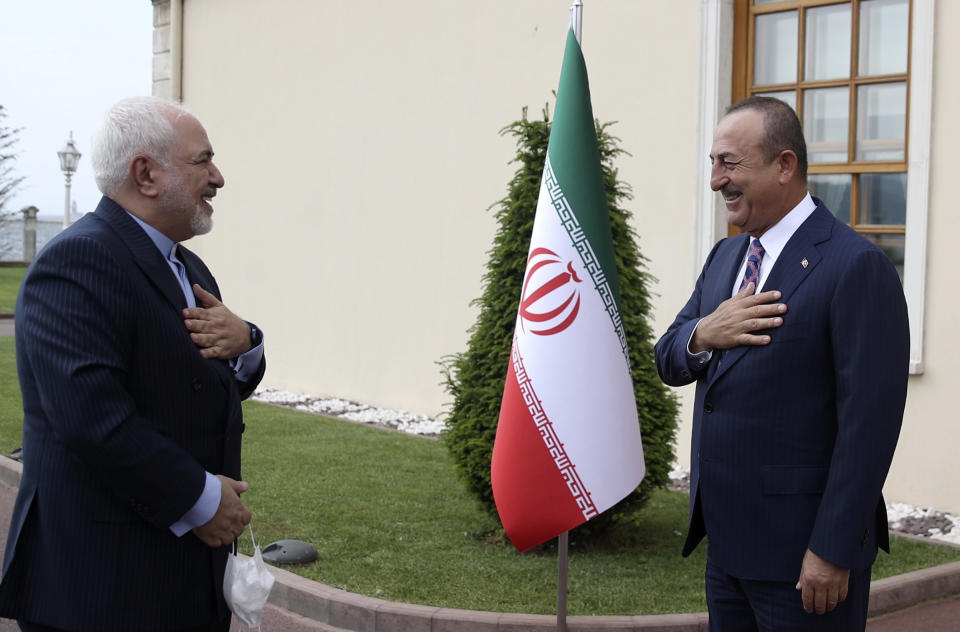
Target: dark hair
[(783, 128)]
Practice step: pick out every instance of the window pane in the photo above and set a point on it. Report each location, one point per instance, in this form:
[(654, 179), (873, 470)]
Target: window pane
[(825, 124), (775, 51), (834, 190), (883, 198), (881, 121), (787, 96), (883, 36), (893, 246), (828, 43)]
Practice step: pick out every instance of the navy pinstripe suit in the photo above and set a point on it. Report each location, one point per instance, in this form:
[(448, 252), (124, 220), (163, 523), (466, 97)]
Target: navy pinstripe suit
[(792, 441), (122, 416)]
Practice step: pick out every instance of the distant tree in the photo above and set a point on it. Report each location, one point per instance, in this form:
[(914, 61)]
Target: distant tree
[(9, 181), (475, 377)]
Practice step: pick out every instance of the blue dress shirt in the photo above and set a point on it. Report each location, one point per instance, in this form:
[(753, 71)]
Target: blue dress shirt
[(243, 366)]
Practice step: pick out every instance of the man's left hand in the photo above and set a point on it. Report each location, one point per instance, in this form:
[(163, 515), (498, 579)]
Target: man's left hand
[(823, 584), (215, 329)]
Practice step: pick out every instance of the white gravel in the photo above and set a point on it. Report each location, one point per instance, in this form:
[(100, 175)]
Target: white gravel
[(924, 521), (400, 420)]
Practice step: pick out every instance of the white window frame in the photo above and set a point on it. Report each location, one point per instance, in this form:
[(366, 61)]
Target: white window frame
[(714, 95)]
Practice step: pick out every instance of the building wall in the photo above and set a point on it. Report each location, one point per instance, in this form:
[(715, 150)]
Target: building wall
[(360, 146), (926, 468)]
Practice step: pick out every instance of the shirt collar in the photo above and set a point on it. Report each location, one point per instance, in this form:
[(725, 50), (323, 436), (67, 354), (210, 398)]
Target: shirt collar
[(166, 246), (777, 236)]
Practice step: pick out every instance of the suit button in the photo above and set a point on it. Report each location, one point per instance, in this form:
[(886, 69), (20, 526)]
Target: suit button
[(708, 407), (196, 384)]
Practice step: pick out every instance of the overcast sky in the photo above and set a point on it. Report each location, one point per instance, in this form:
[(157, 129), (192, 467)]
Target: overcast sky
[(62, 64)]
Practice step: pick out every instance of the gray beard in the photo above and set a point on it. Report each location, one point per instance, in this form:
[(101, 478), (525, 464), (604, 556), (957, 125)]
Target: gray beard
[(201, 223)]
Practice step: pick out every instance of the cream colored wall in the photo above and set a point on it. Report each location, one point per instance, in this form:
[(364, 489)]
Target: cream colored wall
[(926, 468), (360, 146)]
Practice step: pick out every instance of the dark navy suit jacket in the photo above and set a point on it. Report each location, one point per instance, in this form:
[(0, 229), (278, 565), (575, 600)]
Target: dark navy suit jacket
[(792, 441), (122, 416)]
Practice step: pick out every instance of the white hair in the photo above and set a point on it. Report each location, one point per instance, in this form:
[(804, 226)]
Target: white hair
[(132, 127)]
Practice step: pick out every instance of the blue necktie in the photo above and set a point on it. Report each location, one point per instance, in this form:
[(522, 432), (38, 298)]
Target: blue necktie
[(182, 277)]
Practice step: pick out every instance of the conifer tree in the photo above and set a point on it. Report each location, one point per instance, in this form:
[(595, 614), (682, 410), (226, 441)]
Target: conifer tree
[(475, 377)]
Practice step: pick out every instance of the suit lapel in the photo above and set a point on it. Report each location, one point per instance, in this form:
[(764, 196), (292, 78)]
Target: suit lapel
[(801, 254), (144, 251), (198, 273), (720, 291), (730, 266), (797, 260)]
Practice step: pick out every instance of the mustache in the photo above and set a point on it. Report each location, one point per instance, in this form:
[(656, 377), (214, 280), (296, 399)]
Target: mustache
[(728, 190)]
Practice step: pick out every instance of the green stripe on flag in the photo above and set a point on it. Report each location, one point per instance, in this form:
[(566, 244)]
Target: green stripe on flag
[(576, 160)]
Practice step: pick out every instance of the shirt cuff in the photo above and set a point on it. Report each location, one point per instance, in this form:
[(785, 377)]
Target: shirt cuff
[(245, 365), (697, 360), (203, 510)]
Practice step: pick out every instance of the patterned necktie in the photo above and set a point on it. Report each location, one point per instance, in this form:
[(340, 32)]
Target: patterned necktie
[(752, 273)]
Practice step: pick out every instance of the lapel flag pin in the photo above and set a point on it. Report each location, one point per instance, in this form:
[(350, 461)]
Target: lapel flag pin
[(804, 263)]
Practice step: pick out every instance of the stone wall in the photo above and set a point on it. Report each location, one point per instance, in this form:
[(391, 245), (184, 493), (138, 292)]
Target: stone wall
[(162, 53)]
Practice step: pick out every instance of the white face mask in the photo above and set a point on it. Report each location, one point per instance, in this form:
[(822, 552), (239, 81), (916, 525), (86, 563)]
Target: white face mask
[(246, 586)]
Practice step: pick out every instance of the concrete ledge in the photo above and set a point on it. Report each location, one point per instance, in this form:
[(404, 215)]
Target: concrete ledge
[(10, 471), (902, 591), (350, 612), (357, 613)]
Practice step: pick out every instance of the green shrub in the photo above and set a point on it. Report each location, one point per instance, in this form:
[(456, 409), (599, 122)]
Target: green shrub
[(475, 377)]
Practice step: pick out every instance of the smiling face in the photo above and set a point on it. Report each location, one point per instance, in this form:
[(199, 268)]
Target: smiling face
[(191, 180), (753, 189)]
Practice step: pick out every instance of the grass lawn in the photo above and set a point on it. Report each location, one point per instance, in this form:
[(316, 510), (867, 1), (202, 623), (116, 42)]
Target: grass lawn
[(391, 520), (10, 277)]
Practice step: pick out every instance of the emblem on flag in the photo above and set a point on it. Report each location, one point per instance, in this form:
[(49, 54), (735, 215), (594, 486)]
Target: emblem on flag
[(552, 300)]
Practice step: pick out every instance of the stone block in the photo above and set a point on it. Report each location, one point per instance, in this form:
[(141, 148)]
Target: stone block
[(697, 622), (513, 622), (161, 12), (354, 612), (162, 88), (161, 66), (402, 617), (161, 39), (602, 623), (454, 620)]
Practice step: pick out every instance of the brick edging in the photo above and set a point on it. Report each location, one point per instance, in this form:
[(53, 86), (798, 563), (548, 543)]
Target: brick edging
[(358, 613)]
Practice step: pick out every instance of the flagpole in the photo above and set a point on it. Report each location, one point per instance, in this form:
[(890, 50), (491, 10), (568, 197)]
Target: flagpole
[(562, 542), (576, 19), (576, 23)]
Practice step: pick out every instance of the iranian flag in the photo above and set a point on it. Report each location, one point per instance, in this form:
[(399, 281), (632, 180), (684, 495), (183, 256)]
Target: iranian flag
[(568, 440)]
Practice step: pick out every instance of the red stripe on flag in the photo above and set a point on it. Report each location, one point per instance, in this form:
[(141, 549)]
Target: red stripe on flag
[(534, 499)]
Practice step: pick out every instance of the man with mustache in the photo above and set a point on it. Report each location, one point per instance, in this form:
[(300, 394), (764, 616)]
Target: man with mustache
[(796, 335), (132, 372)]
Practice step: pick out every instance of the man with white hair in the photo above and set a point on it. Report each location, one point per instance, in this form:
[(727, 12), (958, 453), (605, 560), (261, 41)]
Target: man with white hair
[(132, 372)]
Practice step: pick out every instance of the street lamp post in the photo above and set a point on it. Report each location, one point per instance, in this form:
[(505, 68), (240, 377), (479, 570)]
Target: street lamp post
[(69, 158)]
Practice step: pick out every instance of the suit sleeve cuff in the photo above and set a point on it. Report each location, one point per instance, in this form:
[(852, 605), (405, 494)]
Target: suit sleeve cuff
[(203, 510)]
